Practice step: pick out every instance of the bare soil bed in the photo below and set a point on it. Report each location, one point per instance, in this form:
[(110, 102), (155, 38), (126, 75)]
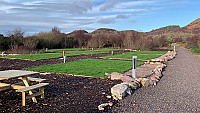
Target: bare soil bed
[(64, 94)]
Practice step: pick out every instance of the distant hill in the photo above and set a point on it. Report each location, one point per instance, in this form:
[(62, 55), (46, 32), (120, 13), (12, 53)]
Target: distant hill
[(193, 27), (170, 28)]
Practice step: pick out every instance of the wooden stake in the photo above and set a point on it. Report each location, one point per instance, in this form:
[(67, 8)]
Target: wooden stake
[(65, 59)]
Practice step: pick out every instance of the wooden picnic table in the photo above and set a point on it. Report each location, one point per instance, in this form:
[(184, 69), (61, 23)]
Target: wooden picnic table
[(8, 74), (23, 75)]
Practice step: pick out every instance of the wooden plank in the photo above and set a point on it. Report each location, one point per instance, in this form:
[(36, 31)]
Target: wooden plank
[(19, 85), (36, 79), (23, 98), (32, 87), (25, 80), (4, 86), (15, 73), (34, 95)]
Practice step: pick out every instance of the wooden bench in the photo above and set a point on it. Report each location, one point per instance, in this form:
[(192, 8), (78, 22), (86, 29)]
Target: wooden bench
[(4, 86), (21, 85), (18, 85), (33, 87), (35, 79)]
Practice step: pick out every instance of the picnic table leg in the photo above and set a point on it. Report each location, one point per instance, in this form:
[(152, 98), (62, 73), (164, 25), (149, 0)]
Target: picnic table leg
[(23, 98), (42, 90), (25, 80)]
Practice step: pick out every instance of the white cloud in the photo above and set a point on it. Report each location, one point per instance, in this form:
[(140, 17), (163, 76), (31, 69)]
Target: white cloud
[(71, 14), (108, 5), (106, 20)]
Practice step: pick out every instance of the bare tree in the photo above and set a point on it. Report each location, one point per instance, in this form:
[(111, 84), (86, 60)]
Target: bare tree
[(31, 42), (16, 37), (55, 29)]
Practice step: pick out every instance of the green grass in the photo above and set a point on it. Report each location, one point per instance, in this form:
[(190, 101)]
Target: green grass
[(150, 52), (130, 55), (39, 56), (196, 50), (107, 49), (85, 52), (66, 49), (87, 67), (79, 49)]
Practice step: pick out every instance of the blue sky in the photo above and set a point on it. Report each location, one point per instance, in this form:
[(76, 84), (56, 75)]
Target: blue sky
[(34, 16)]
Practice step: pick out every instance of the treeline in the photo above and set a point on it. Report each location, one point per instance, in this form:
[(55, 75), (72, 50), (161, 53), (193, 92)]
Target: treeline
[(15, 42)]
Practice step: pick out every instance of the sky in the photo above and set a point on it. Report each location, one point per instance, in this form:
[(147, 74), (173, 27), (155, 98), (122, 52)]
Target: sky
[(34, 16)]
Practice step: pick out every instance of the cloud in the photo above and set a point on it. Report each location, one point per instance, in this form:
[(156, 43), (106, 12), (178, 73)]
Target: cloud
[(132, 21), (75, 7), (106, 20), (41, 15), (121, 16), (108, 5)]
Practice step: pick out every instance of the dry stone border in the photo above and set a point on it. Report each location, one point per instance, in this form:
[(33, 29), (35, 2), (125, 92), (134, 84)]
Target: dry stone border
[(129, 84)]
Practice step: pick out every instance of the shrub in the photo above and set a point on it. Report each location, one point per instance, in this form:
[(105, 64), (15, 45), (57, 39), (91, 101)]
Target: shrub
[(196, 50), (192, 41), (19, 50), (178, 40), (4, 43), (31, 42)]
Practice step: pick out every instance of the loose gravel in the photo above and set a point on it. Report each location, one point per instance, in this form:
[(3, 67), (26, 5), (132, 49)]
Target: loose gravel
[(178, 91)]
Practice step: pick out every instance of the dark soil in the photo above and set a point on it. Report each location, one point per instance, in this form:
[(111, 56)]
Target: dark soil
[(65, 93)]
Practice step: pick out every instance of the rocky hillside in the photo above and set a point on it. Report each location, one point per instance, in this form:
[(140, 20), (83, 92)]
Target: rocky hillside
[(193, 27), (171, 28)]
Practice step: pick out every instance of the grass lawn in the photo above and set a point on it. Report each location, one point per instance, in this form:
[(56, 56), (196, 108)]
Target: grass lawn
[(150, 52), (87, 67), (66, 49), (107, 49), (130, 55), (85, 52), (39, 56)]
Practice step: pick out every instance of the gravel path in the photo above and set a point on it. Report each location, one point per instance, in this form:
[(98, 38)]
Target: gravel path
[(178, 90)]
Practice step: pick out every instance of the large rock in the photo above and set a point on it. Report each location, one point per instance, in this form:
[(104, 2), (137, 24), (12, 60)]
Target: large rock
[(127, 78), (133, 85), (146, 82), (119, 91), (119, 76), (116, 76)]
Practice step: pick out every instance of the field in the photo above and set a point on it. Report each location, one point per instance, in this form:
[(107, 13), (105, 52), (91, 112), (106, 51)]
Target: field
[(66, 49), (141, 55), (87, 67), (85, 52), (150, 52), (79, 49), (39, 56), (108, 49)]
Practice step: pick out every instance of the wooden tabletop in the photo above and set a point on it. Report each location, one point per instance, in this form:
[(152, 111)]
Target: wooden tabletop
[(15, 73)]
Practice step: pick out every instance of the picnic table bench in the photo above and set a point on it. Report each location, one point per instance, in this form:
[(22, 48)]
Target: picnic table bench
[(4, 86), (30, 88), (25, 86)]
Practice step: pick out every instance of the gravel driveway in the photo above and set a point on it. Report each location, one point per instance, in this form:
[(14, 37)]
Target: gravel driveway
[(178, 90)]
